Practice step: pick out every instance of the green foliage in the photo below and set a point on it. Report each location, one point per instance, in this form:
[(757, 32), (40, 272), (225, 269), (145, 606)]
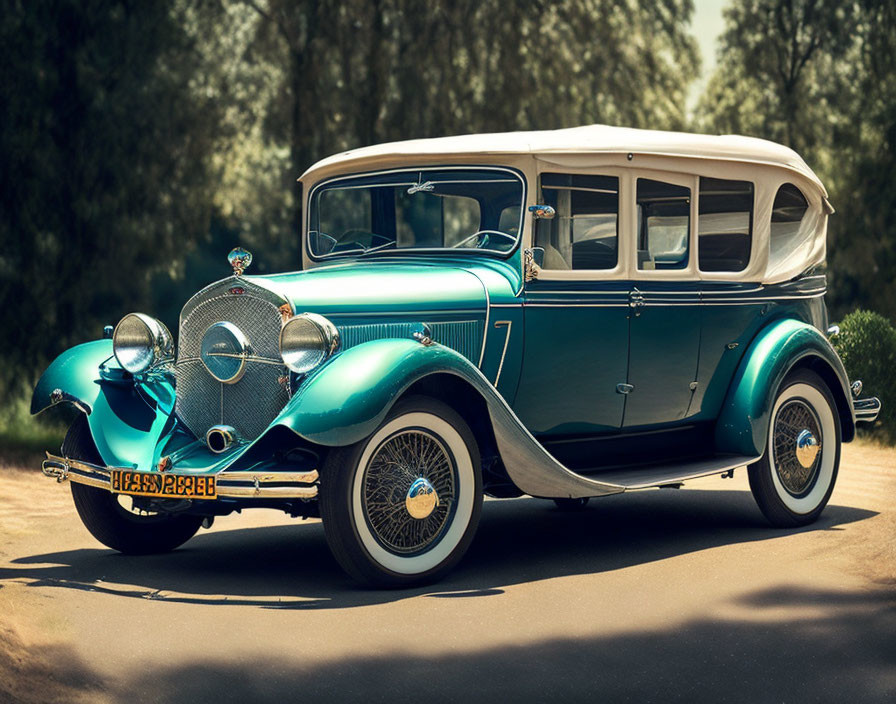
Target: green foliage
[(130, 127), (818, 76), (867, 345), (106, 144)]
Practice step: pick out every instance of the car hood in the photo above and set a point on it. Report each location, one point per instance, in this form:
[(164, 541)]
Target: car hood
[(358, 288)]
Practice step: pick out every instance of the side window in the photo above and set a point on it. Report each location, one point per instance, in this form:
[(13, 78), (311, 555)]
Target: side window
[(585, 232), (664, 224), (724, 224)]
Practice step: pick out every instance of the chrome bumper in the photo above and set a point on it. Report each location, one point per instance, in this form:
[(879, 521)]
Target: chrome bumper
[(241, 485), (866, 409)]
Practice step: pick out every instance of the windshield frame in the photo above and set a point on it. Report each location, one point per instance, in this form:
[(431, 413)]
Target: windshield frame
[(415, 169)]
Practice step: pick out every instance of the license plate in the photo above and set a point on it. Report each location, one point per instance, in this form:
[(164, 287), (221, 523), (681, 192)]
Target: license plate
[(176, 486)]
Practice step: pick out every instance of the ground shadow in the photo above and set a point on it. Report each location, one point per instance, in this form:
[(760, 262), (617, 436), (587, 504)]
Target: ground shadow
[(844, 655), (518, 541)]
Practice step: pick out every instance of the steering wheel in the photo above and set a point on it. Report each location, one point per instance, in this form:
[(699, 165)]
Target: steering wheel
[(482, 237), (355, 236)]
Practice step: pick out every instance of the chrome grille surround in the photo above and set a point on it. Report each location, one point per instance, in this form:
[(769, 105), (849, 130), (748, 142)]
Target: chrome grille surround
[(250, 404)]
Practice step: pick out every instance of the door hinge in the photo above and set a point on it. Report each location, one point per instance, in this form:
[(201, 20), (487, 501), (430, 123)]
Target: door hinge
[(530, 267)]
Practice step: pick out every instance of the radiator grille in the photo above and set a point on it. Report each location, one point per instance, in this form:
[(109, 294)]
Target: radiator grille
[(251, 404), (255, 400)]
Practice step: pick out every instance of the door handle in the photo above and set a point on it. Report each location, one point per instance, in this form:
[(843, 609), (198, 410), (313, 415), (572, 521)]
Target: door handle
[(636, 301)]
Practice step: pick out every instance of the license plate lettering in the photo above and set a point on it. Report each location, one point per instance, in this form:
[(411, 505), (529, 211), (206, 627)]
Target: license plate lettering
[(163, 485)]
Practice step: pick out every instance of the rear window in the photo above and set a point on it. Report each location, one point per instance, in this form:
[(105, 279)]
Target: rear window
[(786, 238)]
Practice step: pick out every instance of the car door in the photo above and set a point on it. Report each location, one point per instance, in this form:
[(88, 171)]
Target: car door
[(575, 312), (664, 302)]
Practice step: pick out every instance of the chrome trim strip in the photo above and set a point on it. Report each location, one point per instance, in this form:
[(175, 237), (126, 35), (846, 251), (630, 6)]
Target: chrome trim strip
[(249, 358), (499, 324), (484, 327), (450, 313), (248, 484)]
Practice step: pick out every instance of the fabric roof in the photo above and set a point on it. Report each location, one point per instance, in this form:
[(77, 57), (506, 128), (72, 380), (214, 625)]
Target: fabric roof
[(589, 139)]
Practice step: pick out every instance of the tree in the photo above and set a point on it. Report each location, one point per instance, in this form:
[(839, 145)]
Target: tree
[(818, 76), (107, 179), (366, 71)]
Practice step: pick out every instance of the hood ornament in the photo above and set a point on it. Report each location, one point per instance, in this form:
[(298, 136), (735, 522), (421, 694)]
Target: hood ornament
[(239, 259)]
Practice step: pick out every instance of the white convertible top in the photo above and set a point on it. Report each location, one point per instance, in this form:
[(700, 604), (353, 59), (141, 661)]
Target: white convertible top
[(780, 251), (589, 139)]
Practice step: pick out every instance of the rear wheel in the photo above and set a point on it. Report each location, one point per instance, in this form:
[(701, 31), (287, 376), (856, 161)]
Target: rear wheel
[(113, 519), (793, 481), (401, 506)]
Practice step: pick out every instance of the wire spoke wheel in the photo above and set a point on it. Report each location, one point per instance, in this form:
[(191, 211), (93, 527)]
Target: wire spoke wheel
[(792, 482), (401, 506), (796, 461), (397, 465)]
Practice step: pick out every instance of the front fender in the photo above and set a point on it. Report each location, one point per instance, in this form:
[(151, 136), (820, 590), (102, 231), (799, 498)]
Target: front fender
[(344, 401), (127, 418), (743, 423), (76, 373)]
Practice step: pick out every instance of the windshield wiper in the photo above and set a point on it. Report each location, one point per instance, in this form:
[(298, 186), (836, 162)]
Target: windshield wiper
[(378, 248)]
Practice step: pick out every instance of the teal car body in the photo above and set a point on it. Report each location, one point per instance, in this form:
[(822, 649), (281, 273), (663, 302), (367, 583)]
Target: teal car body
[(621, 316)]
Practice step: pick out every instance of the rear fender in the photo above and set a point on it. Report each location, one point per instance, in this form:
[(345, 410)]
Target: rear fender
[(742, 426)]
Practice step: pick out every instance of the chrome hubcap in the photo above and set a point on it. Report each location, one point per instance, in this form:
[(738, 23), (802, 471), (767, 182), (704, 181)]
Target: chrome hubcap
[(806, 448), (409, 491), (797, 445), (421, 498)]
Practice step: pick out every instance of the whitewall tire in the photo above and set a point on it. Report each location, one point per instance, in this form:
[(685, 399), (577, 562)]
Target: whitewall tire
[(401, 506), (793, 481)]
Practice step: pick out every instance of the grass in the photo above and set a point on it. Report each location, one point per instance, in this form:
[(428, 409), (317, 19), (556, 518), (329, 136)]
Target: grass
[(25, 438)]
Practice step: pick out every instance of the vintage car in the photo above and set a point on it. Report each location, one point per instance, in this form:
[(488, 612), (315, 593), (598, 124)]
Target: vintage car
[(562, 314)]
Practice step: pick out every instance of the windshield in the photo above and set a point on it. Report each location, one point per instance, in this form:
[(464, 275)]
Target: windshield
[(429, 209)]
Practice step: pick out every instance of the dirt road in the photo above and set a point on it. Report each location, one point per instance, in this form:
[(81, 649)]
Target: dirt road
[(654, 596)]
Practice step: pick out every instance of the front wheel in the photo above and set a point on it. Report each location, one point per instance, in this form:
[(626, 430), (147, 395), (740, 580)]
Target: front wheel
[(113, 519), (794, 479), (401, 506)]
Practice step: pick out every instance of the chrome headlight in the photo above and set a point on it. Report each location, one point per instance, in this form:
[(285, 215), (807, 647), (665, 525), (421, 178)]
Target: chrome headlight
[(306, 341), (140, 342)]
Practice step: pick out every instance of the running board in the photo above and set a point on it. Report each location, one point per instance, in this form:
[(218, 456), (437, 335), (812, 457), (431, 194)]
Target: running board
[(646, 477), (536, 472)]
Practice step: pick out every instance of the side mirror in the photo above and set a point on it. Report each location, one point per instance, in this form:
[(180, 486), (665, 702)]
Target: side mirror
[(542, 212), (542, 215)]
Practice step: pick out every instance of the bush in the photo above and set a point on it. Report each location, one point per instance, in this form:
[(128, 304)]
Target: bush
[(867, 345)]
